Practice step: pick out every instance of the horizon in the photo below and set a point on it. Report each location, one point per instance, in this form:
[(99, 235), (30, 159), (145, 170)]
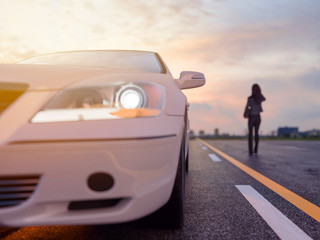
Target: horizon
[(262, 134)]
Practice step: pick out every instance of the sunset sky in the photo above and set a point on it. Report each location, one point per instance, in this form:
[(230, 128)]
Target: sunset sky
[(235, 43)]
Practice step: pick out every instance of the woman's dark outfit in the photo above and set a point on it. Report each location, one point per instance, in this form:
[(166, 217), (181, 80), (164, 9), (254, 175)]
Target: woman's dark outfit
[(252, 111)]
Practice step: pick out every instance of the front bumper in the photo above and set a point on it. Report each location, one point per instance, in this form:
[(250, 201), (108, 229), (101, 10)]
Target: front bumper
[(143, 171)]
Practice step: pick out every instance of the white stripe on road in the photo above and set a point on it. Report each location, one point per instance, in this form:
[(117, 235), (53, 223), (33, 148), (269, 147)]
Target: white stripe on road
[(214, 157), (309, 208), (204, 148), (280, 224)]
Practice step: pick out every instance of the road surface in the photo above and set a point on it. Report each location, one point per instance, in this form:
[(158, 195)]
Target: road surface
[(224, 201)]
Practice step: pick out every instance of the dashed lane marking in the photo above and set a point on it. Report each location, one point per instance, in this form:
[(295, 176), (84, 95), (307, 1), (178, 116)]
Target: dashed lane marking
[(214, 157), (280, 224), (309, 208), (201, 145)]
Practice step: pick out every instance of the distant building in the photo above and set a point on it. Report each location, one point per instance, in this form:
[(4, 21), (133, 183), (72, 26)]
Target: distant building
[(201, 133), (288, 132), (311, 133), (314, 133), (216, 132), (192, 135)]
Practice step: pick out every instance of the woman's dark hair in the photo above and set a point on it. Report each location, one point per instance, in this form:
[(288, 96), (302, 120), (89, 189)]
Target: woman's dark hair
[(256, 92)]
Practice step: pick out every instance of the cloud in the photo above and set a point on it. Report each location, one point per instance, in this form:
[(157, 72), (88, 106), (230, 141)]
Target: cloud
[(162, 22), (200, 107), (275, 42), (309, 80), (213, 109), (222, 109), (265, 37), (14, 51)]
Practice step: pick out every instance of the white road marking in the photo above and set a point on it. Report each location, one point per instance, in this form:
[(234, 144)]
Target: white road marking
[(200, 143), (214, 157), (205, 148), (280, 224)]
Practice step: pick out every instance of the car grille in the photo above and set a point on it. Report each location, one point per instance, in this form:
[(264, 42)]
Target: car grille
[(9, 92), (16, 189)]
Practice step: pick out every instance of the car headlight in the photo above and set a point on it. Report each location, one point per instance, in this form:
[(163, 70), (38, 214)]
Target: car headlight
[(89, 98), (130, 100), (131, 96)]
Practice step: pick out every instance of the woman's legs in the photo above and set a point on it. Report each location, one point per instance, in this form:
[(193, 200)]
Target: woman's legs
[(254, 122), (256, 132), (250, 128)]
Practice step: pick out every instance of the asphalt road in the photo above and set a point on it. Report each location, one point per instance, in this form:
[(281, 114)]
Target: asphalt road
[(216, 207)]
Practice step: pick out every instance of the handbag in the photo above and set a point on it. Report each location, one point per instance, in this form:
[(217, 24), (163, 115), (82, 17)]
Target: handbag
[(247, 112)]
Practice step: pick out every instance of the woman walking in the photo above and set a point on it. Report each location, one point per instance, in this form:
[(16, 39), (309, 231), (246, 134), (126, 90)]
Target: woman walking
[(252, 112)]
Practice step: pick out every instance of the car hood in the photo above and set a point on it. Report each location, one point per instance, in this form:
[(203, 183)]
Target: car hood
[(47, 77)]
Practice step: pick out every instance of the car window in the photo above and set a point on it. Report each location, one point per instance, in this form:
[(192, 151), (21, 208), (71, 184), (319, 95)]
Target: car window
[(127, 60)]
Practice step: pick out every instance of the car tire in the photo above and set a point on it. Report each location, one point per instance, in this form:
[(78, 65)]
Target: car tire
[(171, 215), (187, 161)]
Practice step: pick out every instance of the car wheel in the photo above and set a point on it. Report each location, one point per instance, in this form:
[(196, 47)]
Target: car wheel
[(187, 161), (171, 215)]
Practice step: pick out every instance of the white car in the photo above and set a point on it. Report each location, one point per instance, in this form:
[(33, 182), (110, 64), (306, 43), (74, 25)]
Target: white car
[(93, 137)]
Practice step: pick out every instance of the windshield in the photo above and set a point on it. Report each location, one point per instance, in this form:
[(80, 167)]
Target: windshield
[(126, 60)]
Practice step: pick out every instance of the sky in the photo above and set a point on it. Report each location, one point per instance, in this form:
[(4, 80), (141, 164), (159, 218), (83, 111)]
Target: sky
[(235, 43)]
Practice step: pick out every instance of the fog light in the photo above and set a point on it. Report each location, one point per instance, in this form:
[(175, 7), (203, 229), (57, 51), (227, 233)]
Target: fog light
[(100, 182)]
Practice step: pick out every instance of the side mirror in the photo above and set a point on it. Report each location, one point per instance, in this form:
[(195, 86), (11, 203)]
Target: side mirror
[(190, 79)]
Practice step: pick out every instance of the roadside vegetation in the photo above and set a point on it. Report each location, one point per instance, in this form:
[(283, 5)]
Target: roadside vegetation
[(269, 138)]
